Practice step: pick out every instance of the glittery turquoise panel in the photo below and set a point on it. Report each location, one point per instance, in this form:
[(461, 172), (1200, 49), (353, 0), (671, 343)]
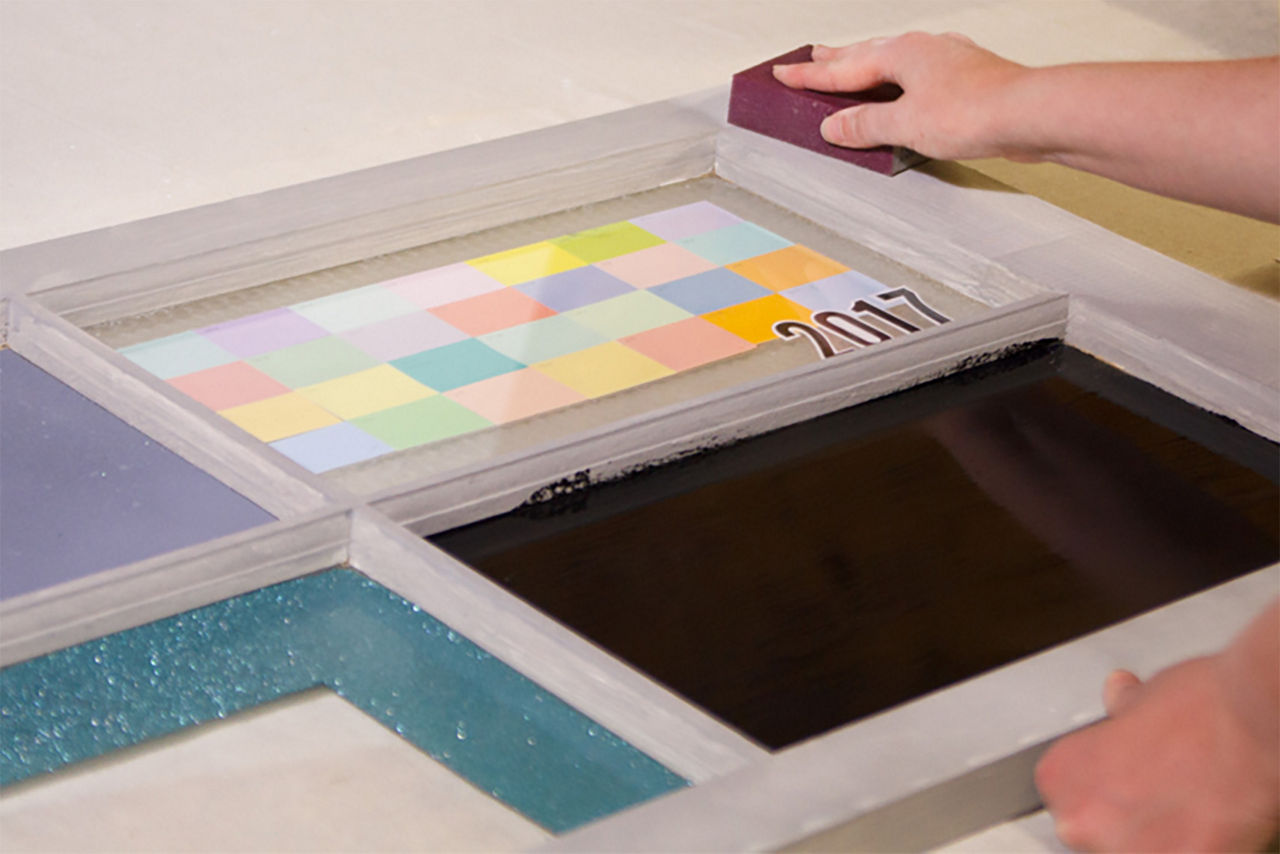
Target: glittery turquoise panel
[(337, 628)]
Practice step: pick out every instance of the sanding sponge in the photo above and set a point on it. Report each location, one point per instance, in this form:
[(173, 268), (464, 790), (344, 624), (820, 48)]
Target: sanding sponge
[(758, 102)]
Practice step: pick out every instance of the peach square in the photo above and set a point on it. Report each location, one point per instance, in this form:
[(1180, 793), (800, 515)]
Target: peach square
[(787, 268), (229, 385), (754, 320), (513, 396), (655, 266), (687, 344), (492, 311)]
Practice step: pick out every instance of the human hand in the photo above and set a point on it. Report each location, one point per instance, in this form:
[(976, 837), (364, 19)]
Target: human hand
[(1176, 766), (951, 105)]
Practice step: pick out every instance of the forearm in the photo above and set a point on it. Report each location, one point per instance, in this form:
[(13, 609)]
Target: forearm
[(1206, 132)]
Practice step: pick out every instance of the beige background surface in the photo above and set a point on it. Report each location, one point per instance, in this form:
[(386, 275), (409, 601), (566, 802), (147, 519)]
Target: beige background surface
[(113, 111)]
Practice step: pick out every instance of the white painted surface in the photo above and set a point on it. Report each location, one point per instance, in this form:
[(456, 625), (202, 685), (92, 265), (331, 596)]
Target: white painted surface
[(312, 773), (115, 110)]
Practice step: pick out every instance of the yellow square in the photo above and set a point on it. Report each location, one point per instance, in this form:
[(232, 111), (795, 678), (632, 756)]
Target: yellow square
[(787, 268), (527, 262), (366, 392), (754, 320), (602, 370), (278, 417)]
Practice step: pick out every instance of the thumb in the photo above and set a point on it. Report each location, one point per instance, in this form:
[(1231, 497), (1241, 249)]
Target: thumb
[(1120, 690), (863, 126)]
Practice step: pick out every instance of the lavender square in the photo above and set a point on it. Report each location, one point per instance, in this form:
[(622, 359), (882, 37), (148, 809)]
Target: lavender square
[(262, 333), (574, 288), (443, 285), (403, 336), (686, 221)]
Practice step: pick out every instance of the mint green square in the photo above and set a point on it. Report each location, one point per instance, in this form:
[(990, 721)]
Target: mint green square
[(540, 340), (313, 362), (628, 314), (607, 241), (420, 422)]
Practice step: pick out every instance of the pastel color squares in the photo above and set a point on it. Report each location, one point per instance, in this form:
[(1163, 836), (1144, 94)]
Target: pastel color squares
[(279, 417), (455, 365), (687, 344), (442, 285), (516, 395), (627, 314), (656, 265), (608, 241), (787, 268), (365, 392), (573, 288), (490, 312), (332, 447), (602, 370), (835, 293), (527, 262), (313, 362), (686, 221), (228, 385), (710, 291), (542, 339), (734, 243), (432, 355), (428, 420), (263, 333), (356, 308), (178, 354)]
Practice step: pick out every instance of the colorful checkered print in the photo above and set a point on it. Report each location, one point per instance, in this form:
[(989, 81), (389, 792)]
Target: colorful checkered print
[(349, 377)]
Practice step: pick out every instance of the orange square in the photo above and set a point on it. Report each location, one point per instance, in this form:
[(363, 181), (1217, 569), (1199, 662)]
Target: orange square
[(787, 268), (492, 311), (754, 320)]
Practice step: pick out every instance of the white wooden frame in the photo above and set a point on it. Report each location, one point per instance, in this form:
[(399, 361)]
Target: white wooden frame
[(961, 756)]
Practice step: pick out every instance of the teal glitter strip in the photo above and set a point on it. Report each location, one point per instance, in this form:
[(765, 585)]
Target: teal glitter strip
[(385, 655)]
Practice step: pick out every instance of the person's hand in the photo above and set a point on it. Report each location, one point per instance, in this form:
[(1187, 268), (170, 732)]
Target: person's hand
[(1176, 767), (950, 91)]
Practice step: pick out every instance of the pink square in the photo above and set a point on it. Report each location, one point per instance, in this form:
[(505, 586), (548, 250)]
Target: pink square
[(403, 336), (491, 312), (687, 344), (431, 288), (656, 265), (512, 396), (228, 385)]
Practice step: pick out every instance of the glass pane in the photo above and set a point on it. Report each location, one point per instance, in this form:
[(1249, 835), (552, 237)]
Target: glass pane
[(813, 576), (470, 348)]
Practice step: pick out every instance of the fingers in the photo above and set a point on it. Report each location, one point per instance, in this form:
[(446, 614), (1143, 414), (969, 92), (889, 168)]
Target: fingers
[(863, 126), (846, 69), (1120, 690)]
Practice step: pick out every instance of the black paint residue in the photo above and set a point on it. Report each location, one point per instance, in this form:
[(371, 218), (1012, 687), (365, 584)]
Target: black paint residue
[(812, 576)]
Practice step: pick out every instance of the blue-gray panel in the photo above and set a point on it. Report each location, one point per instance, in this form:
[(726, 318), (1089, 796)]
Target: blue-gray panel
[(81, 491)]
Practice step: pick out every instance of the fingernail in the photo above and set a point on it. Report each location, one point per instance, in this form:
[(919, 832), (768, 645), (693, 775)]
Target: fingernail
[(830, 128)]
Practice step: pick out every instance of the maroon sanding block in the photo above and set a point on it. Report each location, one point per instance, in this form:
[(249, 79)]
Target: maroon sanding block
[(758, 102)]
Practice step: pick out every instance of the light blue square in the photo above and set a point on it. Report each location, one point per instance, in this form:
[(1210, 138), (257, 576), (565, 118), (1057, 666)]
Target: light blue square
[(734, 243), (835, 293), (179, 354), (352, 309), (331, 447), (710, 291), (544, 339)]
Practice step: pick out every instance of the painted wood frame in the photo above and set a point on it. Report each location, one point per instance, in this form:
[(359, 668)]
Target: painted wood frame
[(914, 776)]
